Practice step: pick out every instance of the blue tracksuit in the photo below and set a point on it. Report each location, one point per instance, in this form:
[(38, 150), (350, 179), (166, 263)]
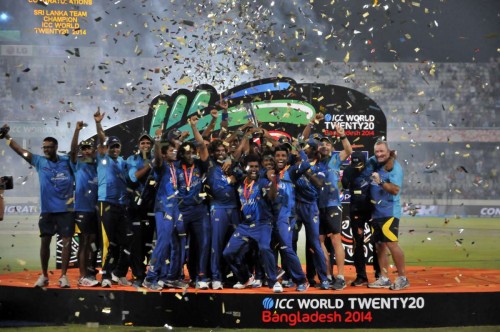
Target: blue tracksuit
[(166, 215), (308, 214), (194, 215), (284, 222), (256, 225), (224, 214)]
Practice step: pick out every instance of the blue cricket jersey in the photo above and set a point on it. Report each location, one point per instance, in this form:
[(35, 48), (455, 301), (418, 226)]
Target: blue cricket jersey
[(166, 176), (112, 180), (255, 206), (330, 194), (385, 204), (86, 186), (56, 183), (134, 163), (222, 192), (305, 191), (285, 201), (189, 195)]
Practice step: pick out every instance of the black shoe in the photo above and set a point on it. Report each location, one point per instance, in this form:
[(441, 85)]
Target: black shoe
[(359, 282)]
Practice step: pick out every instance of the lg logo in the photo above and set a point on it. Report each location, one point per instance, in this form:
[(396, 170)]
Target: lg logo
[(17, 50)]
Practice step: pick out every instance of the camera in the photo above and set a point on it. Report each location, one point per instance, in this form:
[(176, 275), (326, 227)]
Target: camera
[(4, 131), (6, 183)]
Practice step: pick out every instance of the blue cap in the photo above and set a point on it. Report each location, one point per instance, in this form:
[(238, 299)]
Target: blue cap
[(317, 136), (112, 140), (358, 159), (146, 136), (313, 143), (326, 138), (174, 134), (88, 142)]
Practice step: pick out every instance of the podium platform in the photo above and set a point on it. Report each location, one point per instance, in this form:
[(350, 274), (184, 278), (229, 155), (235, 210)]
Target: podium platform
[(437, 297)]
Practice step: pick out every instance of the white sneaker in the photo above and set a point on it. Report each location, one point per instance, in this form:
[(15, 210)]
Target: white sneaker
[(400, 283), (380, 283), (122, 281), (217, 285), (277, 288), (257, 283), (201, 285), (248, 283), (42, 281), (64, 282), (238, 285), (87, 282), (154, 286), (106, 283)]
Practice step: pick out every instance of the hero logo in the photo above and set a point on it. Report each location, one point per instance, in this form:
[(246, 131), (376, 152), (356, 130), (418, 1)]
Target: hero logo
[(490, 211)]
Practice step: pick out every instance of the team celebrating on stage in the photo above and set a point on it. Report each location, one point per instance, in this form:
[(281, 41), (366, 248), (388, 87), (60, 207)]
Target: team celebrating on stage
[(227, 205)]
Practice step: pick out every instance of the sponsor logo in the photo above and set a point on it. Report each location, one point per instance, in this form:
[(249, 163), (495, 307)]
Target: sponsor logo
[(21, 209), (492, 211), (296, 311), (268, 303)]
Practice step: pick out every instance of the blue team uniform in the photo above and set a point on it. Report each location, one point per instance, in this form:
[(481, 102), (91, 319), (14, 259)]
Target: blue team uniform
[(386, 207), (224, 214), (385, 204), (85, 186), (255, 224), (308, 214), (284, 221), (112, 180), (166, 215), (330, 205), (330, 195), (141, 215), (85, 196), (113, 199), (56, 196), (56, 183), (194, 215)]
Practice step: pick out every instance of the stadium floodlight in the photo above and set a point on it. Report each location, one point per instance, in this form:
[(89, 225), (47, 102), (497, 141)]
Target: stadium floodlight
[(4, 17)]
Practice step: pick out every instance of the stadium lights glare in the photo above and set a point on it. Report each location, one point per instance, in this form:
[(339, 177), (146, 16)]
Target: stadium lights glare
[(4, 17)]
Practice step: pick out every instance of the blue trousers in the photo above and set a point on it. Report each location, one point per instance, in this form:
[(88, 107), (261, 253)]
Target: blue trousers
[(238, 245), (165, 222), (197, 225), (223, 222), (283, 230), (308, 214), (177, 252)]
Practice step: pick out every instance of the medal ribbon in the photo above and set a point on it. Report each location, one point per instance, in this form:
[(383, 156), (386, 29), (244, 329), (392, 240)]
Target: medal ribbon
[(188, 181), (282, 172), (247, 190), (173, 174)]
